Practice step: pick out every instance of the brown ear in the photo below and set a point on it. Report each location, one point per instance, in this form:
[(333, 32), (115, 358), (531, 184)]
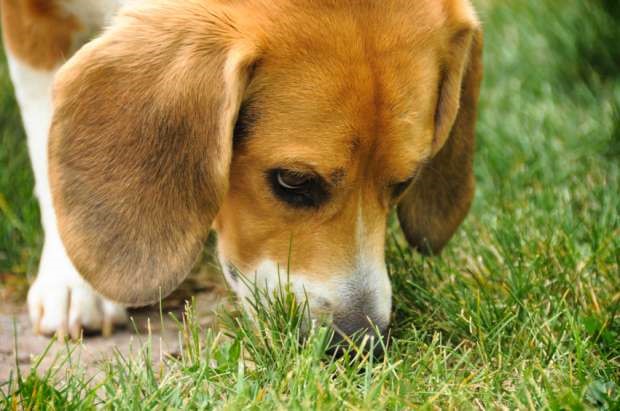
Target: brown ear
[(439, 200), (141, 144)]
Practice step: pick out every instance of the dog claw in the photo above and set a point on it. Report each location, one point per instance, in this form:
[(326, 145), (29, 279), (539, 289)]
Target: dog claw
[(76, 331), (108, 327), (67, 310), (61, 333)]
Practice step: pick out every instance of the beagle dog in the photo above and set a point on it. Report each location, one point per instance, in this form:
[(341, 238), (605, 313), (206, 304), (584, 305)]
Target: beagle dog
[(292, 128)]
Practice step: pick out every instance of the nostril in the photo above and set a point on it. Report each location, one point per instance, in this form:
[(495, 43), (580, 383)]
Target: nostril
[(376, 344), (368, 328), (354, 331), (359, 322)]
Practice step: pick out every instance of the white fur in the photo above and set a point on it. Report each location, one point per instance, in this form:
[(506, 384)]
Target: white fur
[(270, 277), (93, 15), (366, 277), (59, 300), (371, 265)]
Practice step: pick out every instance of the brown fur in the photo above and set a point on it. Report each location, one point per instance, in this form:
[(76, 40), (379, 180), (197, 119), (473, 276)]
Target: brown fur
[(140, 147), (364, 94), (439, 200), (38, 32)]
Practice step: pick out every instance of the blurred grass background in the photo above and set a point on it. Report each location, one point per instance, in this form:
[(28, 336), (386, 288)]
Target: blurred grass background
[(20, 229), (523, 308)]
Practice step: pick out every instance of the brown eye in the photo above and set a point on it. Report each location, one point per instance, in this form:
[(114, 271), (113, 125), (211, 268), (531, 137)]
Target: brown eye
[(291, 180), (307, 190)]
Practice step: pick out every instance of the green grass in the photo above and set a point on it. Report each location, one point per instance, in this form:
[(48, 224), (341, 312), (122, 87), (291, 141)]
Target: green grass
[(521, 311), (20, 230)]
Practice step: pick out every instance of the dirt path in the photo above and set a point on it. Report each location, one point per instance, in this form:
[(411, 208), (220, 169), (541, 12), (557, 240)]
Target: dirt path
[(205, 285), (91, 350)]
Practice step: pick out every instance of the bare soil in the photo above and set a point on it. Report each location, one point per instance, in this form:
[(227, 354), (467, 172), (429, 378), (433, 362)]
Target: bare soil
[(20, 347)]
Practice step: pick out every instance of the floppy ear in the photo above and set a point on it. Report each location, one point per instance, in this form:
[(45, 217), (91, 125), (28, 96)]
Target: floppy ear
[(141, 144), (440, 198)]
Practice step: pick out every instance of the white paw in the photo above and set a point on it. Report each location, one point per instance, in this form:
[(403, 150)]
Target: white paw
[(60, 302)]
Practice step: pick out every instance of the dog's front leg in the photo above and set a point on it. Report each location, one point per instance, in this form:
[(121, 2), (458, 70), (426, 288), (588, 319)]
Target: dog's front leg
[(59, 301)]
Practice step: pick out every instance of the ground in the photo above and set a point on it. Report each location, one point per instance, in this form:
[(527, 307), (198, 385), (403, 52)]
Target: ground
[(20, 347), (521, 311)]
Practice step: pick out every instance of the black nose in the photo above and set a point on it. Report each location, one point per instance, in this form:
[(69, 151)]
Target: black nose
[(351, 331)]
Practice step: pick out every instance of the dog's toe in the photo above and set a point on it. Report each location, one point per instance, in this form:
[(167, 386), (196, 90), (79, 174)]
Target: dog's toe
[(67, 308)]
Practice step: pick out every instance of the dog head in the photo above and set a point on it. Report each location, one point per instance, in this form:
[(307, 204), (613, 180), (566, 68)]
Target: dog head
[(292, 129)]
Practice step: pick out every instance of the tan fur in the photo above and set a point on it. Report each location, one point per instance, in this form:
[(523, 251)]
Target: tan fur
[(38, 32), (363, 93), (140, 146), (438, 202)]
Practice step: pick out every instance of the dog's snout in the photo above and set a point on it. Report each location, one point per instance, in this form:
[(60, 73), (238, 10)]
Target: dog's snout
[(361, 319), (365, 334), (359, 323)]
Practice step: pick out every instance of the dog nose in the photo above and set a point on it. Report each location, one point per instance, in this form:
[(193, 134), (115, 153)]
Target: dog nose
[(376, 339), (357, 325)]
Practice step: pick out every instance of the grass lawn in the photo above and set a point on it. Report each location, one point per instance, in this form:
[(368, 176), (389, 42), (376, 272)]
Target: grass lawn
[(521, 311)]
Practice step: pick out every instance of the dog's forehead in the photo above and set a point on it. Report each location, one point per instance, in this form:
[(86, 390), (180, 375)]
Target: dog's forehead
[(353, 99)]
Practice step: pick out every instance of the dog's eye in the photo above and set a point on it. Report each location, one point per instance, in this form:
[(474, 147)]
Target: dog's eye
[(291, 180), (298, 189), (399, 188)]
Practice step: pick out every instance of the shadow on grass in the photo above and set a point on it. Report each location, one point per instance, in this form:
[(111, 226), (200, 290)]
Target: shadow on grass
[(601, 53)]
